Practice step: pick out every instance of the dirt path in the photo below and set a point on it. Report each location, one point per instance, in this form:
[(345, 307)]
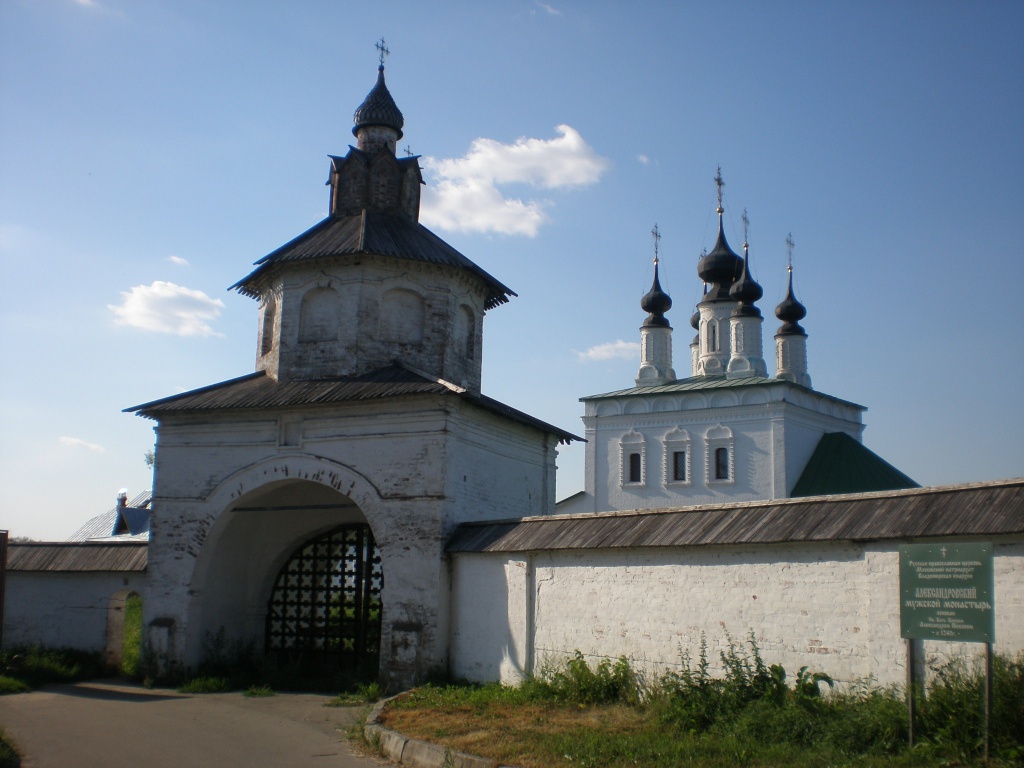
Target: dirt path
[(108, 724)]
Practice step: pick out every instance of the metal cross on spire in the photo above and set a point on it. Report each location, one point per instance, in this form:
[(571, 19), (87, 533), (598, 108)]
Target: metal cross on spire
[(383, 49), (656, 233), (719, 183), (789, 252), (746, 228)]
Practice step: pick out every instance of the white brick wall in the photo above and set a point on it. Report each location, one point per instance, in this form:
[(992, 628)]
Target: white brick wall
[(833, 607), (60, 610)]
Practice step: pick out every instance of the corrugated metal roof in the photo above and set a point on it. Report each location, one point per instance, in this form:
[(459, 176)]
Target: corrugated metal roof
[(66, 556), (134, 525), (840, 464), (373, 233), (257, 390), (985, 509), (699, 383)]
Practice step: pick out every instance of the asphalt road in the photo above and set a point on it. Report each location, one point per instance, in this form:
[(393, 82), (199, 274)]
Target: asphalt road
[(108, 724)]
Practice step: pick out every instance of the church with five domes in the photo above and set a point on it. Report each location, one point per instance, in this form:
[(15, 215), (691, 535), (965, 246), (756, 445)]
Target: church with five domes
[(729, 431)]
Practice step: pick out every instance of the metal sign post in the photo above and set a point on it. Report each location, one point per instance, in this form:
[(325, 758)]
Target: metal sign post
[(947, 593)]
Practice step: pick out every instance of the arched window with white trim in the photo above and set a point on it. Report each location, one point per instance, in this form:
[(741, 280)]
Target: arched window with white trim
[(678, 457), (720, 456), (633, 459)]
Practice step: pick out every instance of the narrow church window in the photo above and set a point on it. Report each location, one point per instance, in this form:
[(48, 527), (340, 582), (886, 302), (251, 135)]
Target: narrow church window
[(721, 463), (467, 331), (267, 334), (632, 459), (712, 338), (635, 468), (679, 466)]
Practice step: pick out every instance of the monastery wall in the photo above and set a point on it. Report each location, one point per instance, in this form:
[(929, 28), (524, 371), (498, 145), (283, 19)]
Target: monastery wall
[(833, 607), (63, 610)]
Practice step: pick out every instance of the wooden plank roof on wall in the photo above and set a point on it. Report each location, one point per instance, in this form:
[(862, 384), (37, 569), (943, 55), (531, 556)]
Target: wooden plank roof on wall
[(77, 556), (983, 509)]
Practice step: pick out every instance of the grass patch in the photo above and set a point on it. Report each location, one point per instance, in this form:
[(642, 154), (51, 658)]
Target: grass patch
[(259, 691), (9, 757), (34, 666), (12, 685), (131, 649), (365, 693), (206, 684), (607, 715)]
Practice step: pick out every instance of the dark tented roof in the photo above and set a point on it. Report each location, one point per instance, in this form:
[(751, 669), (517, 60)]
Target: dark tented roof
[(840, 464), (372, 233), (986, 509), (257, 390), (77, 556)]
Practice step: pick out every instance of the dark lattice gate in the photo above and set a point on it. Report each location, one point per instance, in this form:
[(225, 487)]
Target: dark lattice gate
[(326, 602)]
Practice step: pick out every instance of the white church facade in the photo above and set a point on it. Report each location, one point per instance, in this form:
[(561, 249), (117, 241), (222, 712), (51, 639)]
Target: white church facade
[(729, 431)]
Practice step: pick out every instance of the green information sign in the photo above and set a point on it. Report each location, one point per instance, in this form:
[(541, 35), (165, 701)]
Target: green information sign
[(946, 592)]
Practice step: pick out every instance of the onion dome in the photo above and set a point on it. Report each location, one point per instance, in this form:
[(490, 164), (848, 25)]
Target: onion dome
[(791, 312), (746, 290), (720, 267), (656, 302), (378, 109)]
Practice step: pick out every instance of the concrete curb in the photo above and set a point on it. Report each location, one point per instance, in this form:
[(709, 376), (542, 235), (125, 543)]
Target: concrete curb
[(414, 752)]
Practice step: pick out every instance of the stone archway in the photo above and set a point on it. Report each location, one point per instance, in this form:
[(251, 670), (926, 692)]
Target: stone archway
[(252, 552), (326, 602)]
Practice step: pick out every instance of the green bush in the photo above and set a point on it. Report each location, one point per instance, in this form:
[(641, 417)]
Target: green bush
[(951, 714), (575, 682)]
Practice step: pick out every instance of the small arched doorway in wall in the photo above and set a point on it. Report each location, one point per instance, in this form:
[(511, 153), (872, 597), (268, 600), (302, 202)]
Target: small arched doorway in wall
[(124, 632), (325, 606)]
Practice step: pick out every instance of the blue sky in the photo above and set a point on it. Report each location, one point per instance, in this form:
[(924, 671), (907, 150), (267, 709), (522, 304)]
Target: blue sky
[(151, 151)]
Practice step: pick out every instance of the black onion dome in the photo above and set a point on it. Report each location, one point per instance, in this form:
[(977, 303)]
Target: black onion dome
[(746, 291), (378, 108), (695, 320), (719, 268), (656, 302), (791, 312)]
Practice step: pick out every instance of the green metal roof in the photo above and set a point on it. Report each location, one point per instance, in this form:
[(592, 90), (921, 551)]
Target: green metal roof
[(699, 383), (840, 464)]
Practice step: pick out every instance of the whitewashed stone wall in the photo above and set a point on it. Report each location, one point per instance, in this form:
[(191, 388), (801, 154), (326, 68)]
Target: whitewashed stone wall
[(63, 610), (833, 607)]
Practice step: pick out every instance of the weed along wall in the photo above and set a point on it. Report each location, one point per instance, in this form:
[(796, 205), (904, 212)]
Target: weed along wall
[(831, 605)]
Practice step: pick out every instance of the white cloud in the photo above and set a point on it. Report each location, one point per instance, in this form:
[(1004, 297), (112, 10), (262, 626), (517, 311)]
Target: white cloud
[(77, 442), (549, 9), (167, 308), (643, 159), (466, 194), (611, 350), (178, 260)]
